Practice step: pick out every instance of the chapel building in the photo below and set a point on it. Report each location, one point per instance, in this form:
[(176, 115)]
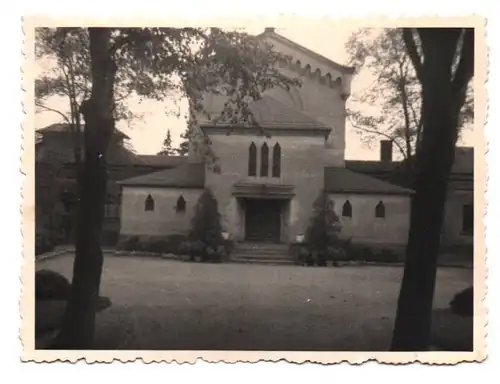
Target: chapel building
[(268, 184)]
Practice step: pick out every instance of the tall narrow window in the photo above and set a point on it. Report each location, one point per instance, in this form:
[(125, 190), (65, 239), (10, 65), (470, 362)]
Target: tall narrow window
[(347, 209), (468, 219), (276, 160), (380, 210), (264, 160), (181, 205), (149, 205), (252, 160)]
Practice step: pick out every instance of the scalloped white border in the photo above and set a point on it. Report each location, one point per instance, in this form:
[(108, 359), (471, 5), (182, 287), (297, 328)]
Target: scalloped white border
[(28, 211)]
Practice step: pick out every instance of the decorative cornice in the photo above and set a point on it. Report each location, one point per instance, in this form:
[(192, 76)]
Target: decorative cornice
[(263, 190), (314, 74), (272, 130)]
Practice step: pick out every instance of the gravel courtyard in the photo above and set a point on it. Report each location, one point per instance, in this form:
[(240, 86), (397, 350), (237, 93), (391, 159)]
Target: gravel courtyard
[(164, 304)]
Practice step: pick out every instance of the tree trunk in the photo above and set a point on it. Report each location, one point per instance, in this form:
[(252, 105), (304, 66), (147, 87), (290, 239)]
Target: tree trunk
[(433, 165), (78, 327)]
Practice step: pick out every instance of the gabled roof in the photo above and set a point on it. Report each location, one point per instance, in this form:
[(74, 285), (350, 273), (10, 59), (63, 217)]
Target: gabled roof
[(371, 166), (342, 180), (270, 113), (189, 175), (464, 163), (163, 161), (65, 128), (270, 32)]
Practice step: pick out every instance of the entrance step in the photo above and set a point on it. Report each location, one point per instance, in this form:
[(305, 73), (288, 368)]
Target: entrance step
[(269, 253)]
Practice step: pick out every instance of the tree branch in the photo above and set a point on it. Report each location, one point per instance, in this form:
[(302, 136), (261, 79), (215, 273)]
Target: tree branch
[(412, 50), (375, 132), (48, 109)]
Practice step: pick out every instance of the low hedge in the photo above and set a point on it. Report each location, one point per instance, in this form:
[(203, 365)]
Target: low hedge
[(167, 244), (344, 252)]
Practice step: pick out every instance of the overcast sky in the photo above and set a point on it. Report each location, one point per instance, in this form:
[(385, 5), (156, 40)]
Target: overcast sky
[(148, 133)]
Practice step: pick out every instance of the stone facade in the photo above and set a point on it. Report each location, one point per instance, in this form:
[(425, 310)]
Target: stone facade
[(301, 169)]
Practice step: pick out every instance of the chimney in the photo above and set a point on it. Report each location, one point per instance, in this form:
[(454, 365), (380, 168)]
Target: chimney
[(269, 30), (386, 151)]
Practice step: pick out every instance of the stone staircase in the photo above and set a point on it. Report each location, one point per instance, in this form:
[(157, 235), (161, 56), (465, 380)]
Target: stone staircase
[(263, 253)]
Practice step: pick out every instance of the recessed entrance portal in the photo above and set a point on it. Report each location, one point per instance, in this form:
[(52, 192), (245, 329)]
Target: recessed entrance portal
[(263, 220)]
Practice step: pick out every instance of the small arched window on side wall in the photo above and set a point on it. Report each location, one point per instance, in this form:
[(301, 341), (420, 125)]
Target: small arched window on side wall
[(252, 160), (264, 160), (276, 160), (347, 209), (180, 207), (380, 210), (149, 204)]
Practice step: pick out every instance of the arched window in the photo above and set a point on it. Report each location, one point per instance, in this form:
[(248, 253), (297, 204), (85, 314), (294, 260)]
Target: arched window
[(149, 205), (252, 160), (264, 160), (181, 205), (276, 160), (347, 209), (380, 210)]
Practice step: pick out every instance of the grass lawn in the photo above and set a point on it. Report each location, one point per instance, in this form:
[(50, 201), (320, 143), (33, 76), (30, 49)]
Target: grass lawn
[(165, 305)]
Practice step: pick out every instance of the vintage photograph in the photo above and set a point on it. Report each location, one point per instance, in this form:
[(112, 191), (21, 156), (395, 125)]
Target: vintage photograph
[(299, 188)]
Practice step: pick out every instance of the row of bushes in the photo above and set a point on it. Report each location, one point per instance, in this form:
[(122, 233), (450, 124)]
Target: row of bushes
[(177, 245), (343, 253)]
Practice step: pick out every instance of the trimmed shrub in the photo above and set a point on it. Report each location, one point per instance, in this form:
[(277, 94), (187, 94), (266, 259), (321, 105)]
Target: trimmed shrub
[(206, 229), (228, 246), (323, 231), (50, 285), (303, 254), (463, 302)]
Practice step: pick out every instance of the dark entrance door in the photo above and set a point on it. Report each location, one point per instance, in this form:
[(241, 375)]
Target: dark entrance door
[(262, 220)]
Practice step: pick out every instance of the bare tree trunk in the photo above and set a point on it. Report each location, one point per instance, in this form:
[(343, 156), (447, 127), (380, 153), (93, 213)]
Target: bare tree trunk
[(79, 323), (433, 165)]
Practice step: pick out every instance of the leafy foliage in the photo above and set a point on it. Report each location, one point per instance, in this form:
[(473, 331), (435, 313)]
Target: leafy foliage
[(64, 54), (164, 64), (167, 149), (391, 107)]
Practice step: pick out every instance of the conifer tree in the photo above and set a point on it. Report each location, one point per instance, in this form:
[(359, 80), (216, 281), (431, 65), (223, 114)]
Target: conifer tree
[(167, 149)]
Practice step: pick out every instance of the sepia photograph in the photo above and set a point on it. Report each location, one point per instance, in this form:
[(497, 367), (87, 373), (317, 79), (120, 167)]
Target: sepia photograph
[(311, 187)]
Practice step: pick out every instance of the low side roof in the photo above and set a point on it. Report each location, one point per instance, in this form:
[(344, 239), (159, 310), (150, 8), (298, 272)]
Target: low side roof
[(342, 180), (189, 175)]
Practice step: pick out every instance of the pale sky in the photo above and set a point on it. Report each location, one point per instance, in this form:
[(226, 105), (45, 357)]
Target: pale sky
[(147, 134)]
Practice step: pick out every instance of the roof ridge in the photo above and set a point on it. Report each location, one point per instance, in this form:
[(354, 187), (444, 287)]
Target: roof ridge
[(358, 183), (308, 51)]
